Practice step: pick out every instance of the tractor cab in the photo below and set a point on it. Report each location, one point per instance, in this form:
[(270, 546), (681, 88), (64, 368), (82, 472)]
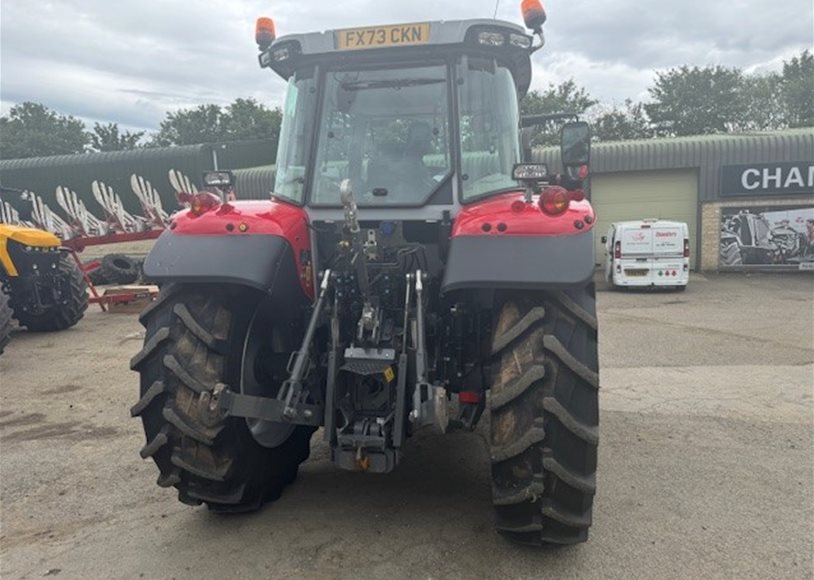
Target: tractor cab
[(421, 115)]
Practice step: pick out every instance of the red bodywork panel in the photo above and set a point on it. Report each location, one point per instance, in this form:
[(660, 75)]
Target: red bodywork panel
[(502, 216), (246, 218)]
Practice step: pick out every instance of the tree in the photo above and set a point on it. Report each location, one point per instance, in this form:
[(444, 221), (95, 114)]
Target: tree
[(617, 124), (696, 101), (32, 129), (188, 126), (763, 104), (566, 97), (243, 119), (108, 138), (248, 119), (797, 90)]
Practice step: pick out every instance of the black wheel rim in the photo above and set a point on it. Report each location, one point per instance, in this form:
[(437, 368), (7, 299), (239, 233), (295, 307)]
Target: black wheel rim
[(265, 346)]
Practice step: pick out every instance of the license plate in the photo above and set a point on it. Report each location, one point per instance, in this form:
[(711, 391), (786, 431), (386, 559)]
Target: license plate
[(378, 36), (636, 272)]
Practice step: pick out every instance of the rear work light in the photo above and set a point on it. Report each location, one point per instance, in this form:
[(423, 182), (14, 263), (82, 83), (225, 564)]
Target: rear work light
[(686, 248), (520, 41), (534, 172), (281, 54), (617, 250), (491, 38)]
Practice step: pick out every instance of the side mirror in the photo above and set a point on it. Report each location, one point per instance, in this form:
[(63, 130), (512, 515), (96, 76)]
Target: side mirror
[(575, 144)]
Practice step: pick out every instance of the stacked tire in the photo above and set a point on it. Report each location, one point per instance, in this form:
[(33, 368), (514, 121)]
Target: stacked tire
[(117, 269)]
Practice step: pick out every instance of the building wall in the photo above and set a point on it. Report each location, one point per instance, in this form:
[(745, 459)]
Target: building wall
[(711, 222)]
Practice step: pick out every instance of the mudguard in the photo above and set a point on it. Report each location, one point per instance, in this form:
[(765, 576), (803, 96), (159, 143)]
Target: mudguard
[(505, 243), (263, 245)]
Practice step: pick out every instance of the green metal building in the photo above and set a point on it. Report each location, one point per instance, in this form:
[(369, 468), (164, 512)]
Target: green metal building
[(708, 181), (42, 175)]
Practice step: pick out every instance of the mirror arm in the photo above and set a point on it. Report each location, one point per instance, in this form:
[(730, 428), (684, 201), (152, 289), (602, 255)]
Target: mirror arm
[(541, 36)]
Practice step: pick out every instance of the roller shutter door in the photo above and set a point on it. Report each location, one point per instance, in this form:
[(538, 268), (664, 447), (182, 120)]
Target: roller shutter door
[(669, 195)]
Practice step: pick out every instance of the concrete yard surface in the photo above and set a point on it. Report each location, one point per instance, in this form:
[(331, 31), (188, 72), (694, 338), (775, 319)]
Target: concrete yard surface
[(706, 465)]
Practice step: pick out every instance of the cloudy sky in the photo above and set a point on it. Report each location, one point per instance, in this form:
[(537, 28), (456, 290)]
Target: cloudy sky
[(130, 61)]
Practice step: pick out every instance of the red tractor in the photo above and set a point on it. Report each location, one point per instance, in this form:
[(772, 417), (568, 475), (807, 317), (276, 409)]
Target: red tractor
[(410, 271)]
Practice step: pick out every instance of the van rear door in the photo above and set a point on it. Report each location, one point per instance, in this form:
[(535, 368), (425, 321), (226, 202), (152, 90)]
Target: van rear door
[(636, 245), (668, 254), (668, 241)]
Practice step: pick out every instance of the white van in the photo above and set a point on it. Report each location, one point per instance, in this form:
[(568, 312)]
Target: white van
[(648, 252)]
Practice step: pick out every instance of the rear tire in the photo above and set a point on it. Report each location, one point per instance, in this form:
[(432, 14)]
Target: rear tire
[(194, 341), (544, 415), (6, 314), (70, 306)]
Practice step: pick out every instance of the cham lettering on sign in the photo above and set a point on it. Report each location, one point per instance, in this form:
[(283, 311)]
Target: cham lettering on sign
[(792, 178)]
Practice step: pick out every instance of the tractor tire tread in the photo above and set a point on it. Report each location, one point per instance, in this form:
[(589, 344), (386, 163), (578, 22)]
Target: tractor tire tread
[(188, 427), (156, 389), (207, 457), (155, 444), (518, 386), (150, 346), (201, 333), (544, 430)]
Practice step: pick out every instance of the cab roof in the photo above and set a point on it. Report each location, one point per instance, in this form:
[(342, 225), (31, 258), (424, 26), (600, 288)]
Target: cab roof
[(292, 51)]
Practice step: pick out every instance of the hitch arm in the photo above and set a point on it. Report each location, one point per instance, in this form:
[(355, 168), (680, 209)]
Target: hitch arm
[(264, 408), (292, 388)]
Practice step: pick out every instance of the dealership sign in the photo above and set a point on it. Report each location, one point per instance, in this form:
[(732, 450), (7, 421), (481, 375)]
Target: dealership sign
[(768, 237), (768, 179)]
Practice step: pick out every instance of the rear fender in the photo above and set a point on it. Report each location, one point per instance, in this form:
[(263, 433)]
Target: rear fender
[(261, 244), (503, 243)]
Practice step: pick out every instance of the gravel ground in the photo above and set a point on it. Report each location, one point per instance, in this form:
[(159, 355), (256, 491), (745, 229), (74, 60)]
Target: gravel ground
[(706, 463)]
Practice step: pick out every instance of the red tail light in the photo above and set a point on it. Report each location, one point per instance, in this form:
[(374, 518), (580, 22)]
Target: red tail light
[(554, 200), (686, 248), (617, 250), (576, 195)]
